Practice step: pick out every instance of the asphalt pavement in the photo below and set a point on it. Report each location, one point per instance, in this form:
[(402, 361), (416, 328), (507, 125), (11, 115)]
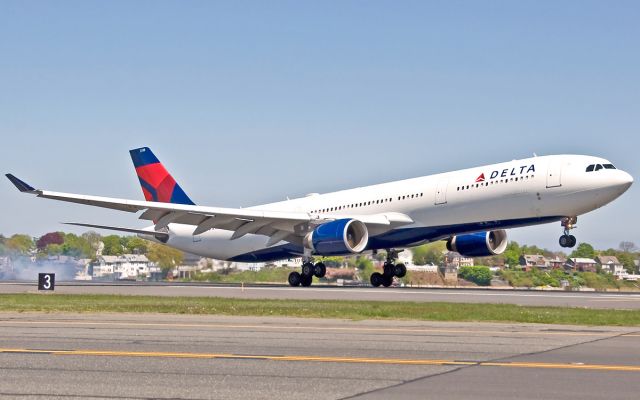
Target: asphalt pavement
[(153, 356), (600, 300)]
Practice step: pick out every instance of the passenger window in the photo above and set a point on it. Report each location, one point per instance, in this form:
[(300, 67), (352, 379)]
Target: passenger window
[(590, 168), (598, 167)]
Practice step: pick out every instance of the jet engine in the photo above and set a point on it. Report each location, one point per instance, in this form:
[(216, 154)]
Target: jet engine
[(338, 237), (480, 244)]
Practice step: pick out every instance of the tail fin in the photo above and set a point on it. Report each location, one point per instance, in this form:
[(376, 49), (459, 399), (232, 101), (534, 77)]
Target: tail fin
[(157, 184)]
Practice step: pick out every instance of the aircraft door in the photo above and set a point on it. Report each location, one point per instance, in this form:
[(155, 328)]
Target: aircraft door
[(441, 191), (554, 174)]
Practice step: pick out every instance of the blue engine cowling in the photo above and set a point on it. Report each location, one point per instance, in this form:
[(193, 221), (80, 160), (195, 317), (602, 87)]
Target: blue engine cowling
[(480, 244), (342, 236)]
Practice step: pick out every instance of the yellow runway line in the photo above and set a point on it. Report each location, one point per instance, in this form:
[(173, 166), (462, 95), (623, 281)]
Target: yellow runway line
[(326, 359)]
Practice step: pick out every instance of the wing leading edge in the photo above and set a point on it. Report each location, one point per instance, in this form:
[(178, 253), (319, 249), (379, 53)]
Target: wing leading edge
[(277, 225)]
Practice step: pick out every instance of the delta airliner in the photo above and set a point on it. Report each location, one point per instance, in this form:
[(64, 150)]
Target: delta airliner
[(470, 209)]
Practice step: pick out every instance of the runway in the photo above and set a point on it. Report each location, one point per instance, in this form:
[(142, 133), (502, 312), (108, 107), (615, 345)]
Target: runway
[(149, 356), (525, 298)]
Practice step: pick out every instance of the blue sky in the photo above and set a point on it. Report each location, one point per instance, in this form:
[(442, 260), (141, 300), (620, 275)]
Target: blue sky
[(250, 102)]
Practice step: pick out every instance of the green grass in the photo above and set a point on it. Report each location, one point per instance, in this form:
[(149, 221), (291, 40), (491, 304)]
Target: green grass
[(356, 310)]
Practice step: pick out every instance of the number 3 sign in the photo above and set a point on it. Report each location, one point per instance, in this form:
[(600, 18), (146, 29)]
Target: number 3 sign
[(46, 281)]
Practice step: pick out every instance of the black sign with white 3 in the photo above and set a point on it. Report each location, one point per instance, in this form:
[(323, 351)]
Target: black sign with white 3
[(46, 281)]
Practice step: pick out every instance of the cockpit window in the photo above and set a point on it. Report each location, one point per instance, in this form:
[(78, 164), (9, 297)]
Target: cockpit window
[(598, 167), (590, 168), (609, 166)]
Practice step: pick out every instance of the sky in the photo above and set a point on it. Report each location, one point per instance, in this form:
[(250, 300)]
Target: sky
[(248, 102)]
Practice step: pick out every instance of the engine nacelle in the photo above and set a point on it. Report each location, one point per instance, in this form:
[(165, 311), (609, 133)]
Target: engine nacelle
[(338, 237), (480, 244)]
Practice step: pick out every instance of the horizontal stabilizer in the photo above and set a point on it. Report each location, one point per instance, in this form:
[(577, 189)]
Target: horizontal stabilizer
[(162, 236), (21, 185)]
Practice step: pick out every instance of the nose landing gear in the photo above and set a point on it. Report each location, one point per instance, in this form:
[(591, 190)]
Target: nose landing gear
[(389, 270), (568, 240)]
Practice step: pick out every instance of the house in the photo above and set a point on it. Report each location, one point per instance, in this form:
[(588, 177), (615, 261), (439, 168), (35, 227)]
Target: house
[(611, 265), (557, 262), (530, 261), (126, 266), (581, 264), (456, 260)]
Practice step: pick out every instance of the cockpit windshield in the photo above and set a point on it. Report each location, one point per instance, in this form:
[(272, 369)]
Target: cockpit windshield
[(598, 167)]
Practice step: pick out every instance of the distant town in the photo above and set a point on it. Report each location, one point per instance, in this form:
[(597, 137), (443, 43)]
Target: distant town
[(93, 257)]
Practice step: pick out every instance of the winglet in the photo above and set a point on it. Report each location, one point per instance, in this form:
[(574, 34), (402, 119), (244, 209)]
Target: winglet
[(21, 185)]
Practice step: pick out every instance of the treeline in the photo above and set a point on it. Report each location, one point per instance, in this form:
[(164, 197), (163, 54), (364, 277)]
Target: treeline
[(627, 253), (88, 245)]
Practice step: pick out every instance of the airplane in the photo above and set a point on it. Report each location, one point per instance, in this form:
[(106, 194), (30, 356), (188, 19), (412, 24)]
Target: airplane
[(469, 208)]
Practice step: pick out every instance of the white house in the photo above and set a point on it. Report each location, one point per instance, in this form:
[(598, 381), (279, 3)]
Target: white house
[(126, 266), (611, 265)]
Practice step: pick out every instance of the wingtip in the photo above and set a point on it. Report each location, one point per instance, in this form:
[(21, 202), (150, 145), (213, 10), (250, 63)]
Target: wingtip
[(21, 185)]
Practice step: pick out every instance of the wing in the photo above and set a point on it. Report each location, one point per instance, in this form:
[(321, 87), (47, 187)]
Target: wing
[(277, 225)]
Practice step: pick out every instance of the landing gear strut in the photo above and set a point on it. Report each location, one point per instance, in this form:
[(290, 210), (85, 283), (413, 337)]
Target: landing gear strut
[(568, 240), (389, 270), (309, 270)]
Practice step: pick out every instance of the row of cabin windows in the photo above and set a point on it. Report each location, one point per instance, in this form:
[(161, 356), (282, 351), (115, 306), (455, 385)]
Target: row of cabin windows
[(481, 184), (598, 167), (367, 203)]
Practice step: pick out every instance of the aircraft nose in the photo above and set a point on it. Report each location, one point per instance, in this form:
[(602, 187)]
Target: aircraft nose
[(624, 180)]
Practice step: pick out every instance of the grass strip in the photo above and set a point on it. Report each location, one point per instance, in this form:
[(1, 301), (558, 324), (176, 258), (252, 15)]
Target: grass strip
[(356, 310)]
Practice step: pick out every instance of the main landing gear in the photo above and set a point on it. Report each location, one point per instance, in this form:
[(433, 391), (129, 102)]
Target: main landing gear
[(309, 270), (389, 270), (568, 240)]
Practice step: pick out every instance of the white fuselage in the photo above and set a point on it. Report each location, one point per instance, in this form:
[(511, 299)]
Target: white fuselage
[(516, 193)]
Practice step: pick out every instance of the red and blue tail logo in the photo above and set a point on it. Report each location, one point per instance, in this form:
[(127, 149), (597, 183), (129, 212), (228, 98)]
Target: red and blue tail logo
[(157, 184)]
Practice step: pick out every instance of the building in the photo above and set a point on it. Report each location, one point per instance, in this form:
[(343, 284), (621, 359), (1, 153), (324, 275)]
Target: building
[(557, 262), (531, 261), (582, 264), (126, 266), (611, 265), (456, 260)]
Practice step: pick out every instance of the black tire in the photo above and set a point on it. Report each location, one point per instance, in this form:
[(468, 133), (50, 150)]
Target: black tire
[(306, 280), (307, 269), (572, 241), (400, 270), (295, 279), (376, 279), (389, 269), (387, 281), (564, 241), (319, 270)]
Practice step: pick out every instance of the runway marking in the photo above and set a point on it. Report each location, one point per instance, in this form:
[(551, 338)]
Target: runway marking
[(309, 327), (325, 359)]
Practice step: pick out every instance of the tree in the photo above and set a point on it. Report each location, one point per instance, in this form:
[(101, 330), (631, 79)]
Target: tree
[(166, 257), (628, 247), (512, 254), (112, 246), (137, 245), (584, 250), (20, 244), (76, 246), (478, 275), (431, 253), (95, 241), (49, 238), (628, 261)]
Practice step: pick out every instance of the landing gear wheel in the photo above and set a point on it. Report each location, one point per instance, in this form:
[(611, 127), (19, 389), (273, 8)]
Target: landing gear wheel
[(400, 270), (295, 279), (319, 270), (564, 241), (389, 269), (387, 280), (376, 279), (572, 241), (306, 280), (307, 269)]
